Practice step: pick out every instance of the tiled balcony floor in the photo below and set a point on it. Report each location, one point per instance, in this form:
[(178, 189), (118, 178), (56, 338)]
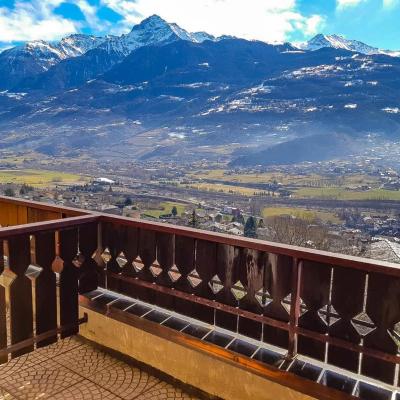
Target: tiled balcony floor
[(73, 369)]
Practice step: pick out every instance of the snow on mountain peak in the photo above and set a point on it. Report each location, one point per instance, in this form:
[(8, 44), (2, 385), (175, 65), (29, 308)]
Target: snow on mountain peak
[(78, 44), (152, 31), (340, 42)]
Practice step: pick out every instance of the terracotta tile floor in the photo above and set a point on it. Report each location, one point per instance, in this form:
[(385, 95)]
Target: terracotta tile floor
[(72, 369)]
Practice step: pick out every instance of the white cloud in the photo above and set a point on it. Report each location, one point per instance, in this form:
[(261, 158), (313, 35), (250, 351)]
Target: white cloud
[(271, 20), (90, 13), (314, 24), (342, 4), (32, 21), (390, 3)]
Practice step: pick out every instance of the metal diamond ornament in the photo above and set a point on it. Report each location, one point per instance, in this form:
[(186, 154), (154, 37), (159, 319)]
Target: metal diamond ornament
[(363, 324), (329, 315), (287, 305), (78, 260), (263, 297), (98, 258), (155, 268), (121, 260), (238, 290), (215, 284), (194, 279), (106, 255), (138, 264), (395, 334), (174, 273)]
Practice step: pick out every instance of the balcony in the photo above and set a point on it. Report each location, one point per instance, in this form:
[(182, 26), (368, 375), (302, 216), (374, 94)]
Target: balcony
[(217, 316)]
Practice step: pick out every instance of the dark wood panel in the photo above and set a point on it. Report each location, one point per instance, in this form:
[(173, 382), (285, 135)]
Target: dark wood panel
[(12, 214), (314, 295), (251, 274), (206, 261), (90, 274), (226, 256), (37, 215), (127, 257), (69, 280), (21, 310), (383, 309), (45, 287), (278, 282), (185, 253), (165, 243), (113, 243), (347, 301)]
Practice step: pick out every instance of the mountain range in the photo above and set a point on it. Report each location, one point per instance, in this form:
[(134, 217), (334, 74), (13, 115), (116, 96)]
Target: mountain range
[(161, 91)]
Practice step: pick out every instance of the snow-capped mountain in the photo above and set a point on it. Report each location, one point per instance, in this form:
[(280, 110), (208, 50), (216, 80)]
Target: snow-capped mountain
[(339, 42), (151, 31), (36, 57), (78, 44), (48, 53)]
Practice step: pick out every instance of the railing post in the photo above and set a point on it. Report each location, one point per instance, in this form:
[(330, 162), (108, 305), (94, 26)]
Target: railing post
[(294, 308), (20, 293), (3, 320)]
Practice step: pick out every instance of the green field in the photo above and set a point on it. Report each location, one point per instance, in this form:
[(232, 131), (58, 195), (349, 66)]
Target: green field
[(217, 187), (286, 179), (344, 194), (165, 208), (302, 213), (38, 178)]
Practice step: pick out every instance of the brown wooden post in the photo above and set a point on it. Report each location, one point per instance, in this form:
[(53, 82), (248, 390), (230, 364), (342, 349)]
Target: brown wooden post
[(69, 281), (3, 319), (45, 287), (21, 309), (89, 271)]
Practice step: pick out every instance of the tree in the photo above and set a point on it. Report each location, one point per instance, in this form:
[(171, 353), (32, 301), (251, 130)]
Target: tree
[(25, 189), (128, 201), (239, 218), (193, 221), (301, 232), (9, 192), (174, 211), (250, 228)]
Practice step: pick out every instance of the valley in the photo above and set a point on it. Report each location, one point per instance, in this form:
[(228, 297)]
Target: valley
[(191, 129)]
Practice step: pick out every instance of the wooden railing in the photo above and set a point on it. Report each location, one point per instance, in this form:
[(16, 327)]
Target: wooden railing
[(32, 313), (337, 309)]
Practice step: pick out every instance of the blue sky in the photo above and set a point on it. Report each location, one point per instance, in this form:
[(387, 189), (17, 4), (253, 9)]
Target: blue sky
[(372, 21)]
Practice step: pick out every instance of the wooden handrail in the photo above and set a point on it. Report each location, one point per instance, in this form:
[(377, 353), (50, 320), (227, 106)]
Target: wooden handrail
[(46, 226), (43, 206)]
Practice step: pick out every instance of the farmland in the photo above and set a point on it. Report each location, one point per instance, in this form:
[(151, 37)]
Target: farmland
[(38, 178)]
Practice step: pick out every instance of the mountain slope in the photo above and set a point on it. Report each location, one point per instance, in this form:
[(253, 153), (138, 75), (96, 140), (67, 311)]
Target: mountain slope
[(230, 60)]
